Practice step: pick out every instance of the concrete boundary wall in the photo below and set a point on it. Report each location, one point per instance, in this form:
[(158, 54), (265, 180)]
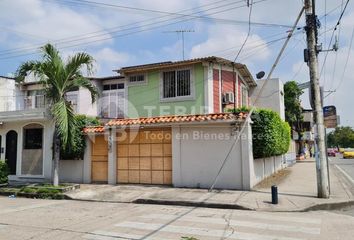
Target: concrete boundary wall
[(264, 167)]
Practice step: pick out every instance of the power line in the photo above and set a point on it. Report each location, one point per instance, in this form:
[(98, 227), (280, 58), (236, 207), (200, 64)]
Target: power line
[(345, 65), (248, 31), (335, 28), (126, 34)]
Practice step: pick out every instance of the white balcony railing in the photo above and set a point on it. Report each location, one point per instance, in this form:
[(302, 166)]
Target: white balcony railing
[(18, 103)]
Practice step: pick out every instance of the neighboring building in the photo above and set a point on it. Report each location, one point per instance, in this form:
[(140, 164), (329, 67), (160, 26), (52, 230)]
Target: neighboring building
[(308, 130), (271, 96)]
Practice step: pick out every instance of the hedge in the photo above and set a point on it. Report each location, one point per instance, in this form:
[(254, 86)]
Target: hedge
[(4, 172), (76, 151), (271, 135)]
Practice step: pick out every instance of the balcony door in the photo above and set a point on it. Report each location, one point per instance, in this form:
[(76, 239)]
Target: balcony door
[(113, 101)]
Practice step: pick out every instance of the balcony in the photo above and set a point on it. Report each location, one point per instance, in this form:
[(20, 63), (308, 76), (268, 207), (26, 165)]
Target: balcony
[(17, 108)]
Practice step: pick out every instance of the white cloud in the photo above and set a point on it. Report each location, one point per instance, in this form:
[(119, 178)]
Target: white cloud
[(108, 60), (226, 42)]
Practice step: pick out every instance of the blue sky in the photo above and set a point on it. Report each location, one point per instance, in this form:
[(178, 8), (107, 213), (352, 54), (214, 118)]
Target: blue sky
[(122, 36)]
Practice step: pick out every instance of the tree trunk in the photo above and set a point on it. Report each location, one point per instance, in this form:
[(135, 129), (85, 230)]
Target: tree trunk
[(56, 158)]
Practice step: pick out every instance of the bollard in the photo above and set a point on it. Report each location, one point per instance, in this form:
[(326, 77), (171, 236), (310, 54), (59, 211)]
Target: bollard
[(274, 194)]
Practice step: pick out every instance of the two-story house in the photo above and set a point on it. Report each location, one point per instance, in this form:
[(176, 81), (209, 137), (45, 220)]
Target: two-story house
[(197, 86)]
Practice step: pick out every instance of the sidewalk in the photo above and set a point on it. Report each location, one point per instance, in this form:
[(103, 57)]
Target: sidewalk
[(297, 192)]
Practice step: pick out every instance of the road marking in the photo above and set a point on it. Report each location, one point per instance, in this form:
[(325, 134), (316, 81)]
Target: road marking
[(345, 173), (236, 223), (105, 235), (200, 231)]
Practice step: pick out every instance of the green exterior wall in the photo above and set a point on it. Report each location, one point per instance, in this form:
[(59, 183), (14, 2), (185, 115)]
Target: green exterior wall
[(144, 96)]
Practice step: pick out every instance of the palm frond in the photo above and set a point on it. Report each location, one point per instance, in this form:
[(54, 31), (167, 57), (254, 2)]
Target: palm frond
[(77, 62), (84, 83), (25, 68), (65, 122)]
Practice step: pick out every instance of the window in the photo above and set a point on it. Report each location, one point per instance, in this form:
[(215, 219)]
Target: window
[(137, 78), (113, 101), (33, 138), (115, 86), (72, 98), (244, 95), (176, 83)]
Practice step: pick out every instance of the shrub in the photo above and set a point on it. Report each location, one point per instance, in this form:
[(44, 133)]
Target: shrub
[(77, 149), (4, 172), (271, 135)]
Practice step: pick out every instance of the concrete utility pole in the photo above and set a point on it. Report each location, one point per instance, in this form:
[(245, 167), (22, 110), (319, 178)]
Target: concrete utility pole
[(321, 162)]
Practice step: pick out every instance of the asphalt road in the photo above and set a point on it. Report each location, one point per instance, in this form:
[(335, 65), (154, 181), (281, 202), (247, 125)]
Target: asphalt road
[(48, 219), (345, 168)]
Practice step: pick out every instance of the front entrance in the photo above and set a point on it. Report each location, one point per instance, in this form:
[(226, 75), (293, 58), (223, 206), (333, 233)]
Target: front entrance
[(99, 158), (11, 151), (145, 156)]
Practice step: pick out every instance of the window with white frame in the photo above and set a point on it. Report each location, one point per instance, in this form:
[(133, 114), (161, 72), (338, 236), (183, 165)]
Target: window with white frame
[(176, 84), (72, 98), (136, 79), (244, 96), (113, 101)]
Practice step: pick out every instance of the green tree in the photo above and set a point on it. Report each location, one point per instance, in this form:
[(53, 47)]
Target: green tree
[(293, 109), (341, 137), (59, 77)]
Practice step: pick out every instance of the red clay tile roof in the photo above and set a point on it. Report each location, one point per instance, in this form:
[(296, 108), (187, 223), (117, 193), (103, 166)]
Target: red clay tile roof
[(168, 120), (94, 129)]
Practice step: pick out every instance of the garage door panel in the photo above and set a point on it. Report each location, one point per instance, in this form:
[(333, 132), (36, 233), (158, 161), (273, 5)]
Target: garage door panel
[(145, 163), (144, 137), (156, 136), (145, 177), (123, 176), (167, 163), (167, 149), (157, 177), (157, 150), (133, 163), (134, 137), (167, 136), (157, 163), (167, 177), (122, 150), (123, 163), (145, 150), (134, 150), (99, 171), (134, 176)]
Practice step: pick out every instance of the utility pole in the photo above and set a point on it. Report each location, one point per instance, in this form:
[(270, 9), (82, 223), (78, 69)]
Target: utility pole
[(321, 155)]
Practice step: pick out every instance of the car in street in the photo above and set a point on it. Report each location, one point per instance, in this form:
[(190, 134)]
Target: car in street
[(348, 153), (331, 152)]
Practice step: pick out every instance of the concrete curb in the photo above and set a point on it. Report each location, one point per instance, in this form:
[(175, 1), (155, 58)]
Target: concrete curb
[(314, 207), (192, 204)]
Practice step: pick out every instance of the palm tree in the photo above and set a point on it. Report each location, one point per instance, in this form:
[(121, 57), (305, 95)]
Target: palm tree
[(59, 77)]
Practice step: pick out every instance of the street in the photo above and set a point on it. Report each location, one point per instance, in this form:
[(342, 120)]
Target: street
[(345, 168), (48, 219)]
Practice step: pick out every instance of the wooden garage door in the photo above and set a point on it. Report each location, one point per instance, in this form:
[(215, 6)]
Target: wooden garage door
[(145, 156), (99, 158)]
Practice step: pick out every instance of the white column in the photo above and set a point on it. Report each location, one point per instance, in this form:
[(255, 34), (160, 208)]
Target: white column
[(87, 161), (112, 157), (248, 176)]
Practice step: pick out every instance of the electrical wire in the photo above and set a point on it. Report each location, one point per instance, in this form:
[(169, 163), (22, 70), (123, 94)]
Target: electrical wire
[(122, 35)]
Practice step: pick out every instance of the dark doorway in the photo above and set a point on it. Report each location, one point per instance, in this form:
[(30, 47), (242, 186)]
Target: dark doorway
[(11, 151)]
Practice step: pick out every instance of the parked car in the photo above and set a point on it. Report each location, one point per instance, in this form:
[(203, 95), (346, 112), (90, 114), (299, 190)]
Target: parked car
[(331, 152), (341, 150), (348, 153)]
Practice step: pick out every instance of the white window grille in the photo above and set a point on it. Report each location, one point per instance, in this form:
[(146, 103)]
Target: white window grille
[(176, 84)]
